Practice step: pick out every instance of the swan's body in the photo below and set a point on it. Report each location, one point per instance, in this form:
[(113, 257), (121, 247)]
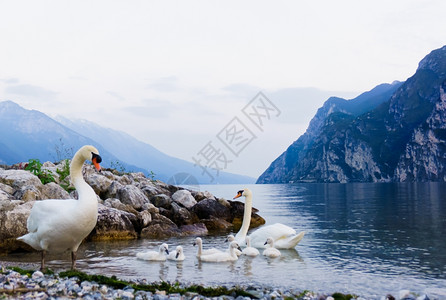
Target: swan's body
[(230, 238), (177, 254), (198, 241), (155, 255), (284, 236), (222, 256), (271, 251), (58, 225), (250, 251)]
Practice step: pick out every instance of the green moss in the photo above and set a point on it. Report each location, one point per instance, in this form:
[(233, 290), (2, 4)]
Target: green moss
[(162, 286), (29, 272), (340, 296)]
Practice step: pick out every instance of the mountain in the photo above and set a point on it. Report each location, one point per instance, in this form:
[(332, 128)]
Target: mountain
[(395, 132), (26, 134), (145, 156)]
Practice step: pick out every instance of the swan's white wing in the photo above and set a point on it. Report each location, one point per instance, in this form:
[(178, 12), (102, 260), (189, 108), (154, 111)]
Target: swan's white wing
[(47, 211), (277, 231), (290, 241)]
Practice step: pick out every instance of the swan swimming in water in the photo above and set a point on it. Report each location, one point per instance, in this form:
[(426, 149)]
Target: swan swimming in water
[(155, 255), (250, 251), (198, 241), (271, 251), (58, 225), (284, 236), (231, 238), (177, 254), (223, 256)]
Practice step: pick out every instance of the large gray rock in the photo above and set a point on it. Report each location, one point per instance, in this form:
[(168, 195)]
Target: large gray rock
[(54, 191), (114, 224), (182, 216), (161, 200), (161, 227), (208, 208), (198, 229), (185, 198), (99, 183), (133, 196), (19, 178), (13, 216)]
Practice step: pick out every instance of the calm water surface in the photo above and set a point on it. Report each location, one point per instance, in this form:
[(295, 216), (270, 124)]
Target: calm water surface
[(367, 239)]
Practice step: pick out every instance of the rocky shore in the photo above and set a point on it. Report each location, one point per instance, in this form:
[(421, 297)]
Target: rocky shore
[(131, 206), (16, 283)]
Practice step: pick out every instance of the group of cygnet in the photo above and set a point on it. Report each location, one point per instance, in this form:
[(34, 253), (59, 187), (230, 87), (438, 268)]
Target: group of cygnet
[(211, 254), (160, 255)]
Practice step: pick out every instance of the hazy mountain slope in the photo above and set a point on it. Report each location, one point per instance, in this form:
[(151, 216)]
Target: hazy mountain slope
[(26, 134)]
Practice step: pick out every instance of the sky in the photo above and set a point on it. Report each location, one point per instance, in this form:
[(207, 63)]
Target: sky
[(180, 75)]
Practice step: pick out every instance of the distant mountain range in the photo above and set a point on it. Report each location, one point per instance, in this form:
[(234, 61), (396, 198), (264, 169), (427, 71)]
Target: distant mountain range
[(393, 133), (26, 134)]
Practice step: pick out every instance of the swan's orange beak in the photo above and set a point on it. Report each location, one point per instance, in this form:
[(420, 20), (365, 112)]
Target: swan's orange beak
[(239, 194), (96, 160)]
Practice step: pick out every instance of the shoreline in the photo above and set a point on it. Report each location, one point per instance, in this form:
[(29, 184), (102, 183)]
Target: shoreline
[(20, 281)]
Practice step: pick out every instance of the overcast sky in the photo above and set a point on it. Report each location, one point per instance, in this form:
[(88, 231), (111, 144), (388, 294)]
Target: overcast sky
[(175, 74)]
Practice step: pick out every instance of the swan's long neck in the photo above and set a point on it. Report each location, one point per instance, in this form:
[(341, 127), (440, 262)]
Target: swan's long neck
[(84, 190), (200, 248), (246, 218)]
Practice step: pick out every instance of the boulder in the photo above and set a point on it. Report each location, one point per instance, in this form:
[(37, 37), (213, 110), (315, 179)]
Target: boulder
[(198, 229), (114, 224), (19, 178), (149, 189), (4, 195), (161, 227), (28, 193), (199, 195), (99, 183), (115, 203), (13, 216), (112, 190), (237, 211), (133, 196), (182, 216), (145, 218), (54, 191), (208, 208), (185, 198), (216, 224), (6, 188), (161, 200)]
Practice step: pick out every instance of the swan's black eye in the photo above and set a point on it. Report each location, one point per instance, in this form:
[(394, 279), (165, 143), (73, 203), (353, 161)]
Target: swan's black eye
[(240, 192), (98, 158)]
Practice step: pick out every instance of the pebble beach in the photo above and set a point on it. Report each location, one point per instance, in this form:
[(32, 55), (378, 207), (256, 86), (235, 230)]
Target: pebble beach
[(36, 285)]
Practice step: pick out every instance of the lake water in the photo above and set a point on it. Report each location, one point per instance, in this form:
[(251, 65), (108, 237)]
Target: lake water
[(362, 238)]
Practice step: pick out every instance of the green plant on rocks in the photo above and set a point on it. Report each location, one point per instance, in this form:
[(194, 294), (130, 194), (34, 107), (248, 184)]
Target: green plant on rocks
[(63, 176), (35, 166)]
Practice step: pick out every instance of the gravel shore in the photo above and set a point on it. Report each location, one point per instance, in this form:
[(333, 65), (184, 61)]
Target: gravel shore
[(36, 285)]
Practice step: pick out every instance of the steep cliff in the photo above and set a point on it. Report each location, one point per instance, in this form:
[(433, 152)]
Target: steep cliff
[(392, 133)]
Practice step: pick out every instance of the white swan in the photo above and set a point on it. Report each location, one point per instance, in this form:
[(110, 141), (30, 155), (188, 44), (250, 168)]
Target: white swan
[(271, 251), (198, 241), (58, 225), (284, 236), (155, 255), (177, 254), (223, 256), (250, 251), (231, 238)]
